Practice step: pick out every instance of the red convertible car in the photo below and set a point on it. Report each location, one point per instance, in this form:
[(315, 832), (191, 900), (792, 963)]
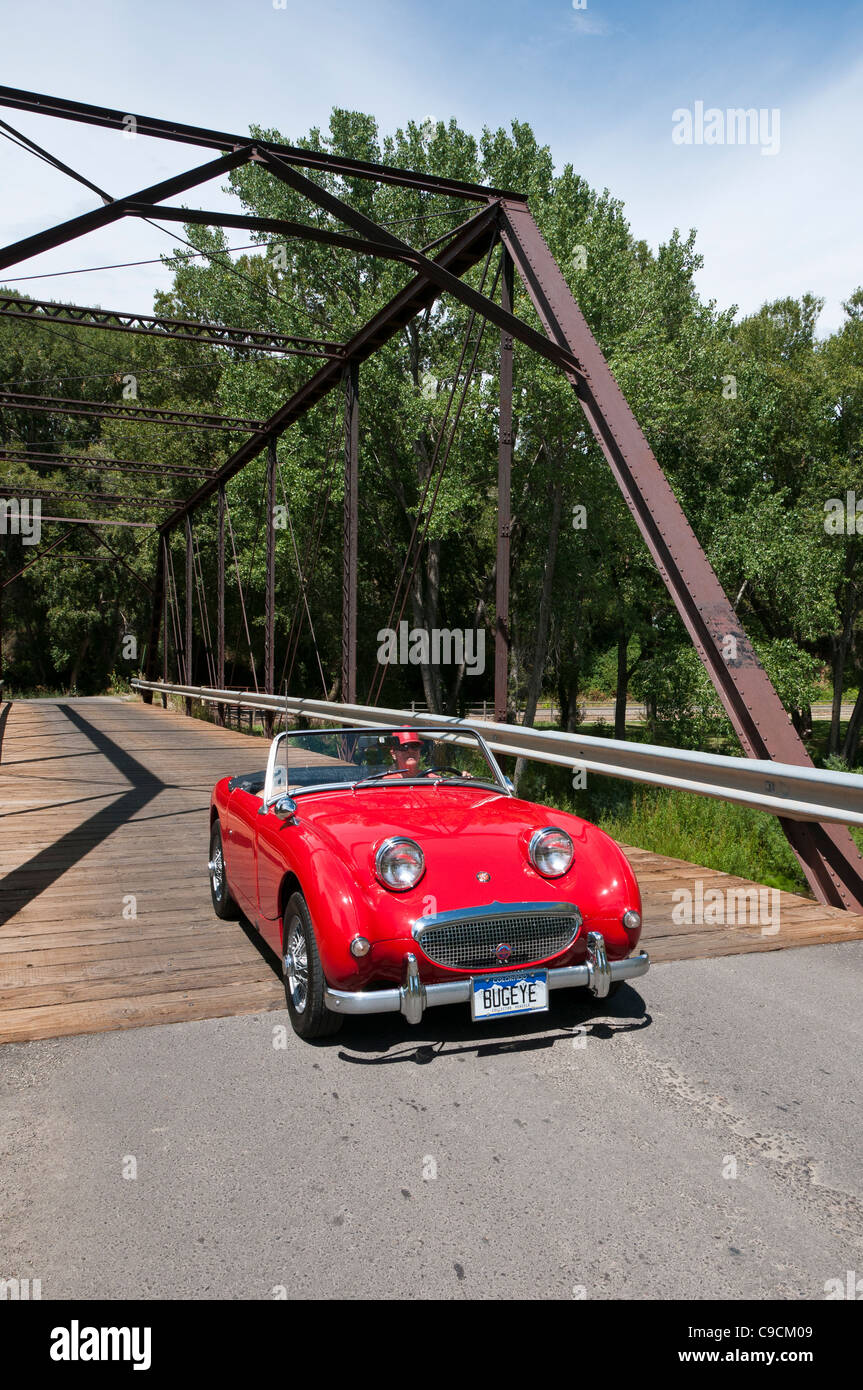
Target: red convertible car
[(394, 870)]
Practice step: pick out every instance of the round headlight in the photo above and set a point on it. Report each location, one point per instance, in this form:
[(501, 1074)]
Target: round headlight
[(399, 864), (551, 851)]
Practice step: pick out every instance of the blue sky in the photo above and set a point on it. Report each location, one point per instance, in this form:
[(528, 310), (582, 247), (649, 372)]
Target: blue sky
[(599, 85)]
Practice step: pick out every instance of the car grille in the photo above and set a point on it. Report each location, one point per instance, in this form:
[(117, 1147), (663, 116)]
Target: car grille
[(471, 943)]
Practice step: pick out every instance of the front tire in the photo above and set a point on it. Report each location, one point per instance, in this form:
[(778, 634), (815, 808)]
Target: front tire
[(224, 905), (303, 974)]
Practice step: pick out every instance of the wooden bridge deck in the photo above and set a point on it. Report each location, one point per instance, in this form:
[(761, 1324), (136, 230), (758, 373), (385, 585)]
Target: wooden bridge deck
[(105, 915)]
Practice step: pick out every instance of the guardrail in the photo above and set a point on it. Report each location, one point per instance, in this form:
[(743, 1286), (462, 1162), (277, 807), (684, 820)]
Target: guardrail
[(796, 793)]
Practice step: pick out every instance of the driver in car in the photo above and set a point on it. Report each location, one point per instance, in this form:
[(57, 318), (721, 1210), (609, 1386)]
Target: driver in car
[(408, 754)]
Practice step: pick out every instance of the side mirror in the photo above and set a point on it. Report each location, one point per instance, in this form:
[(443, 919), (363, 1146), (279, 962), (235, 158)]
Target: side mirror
[(285, 808)]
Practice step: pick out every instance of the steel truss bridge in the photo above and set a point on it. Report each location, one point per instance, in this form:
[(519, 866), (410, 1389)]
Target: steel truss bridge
[(499, 221)]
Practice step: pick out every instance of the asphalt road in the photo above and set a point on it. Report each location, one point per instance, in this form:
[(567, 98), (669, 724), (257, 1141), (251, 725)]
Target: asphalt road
[(590, 1155)]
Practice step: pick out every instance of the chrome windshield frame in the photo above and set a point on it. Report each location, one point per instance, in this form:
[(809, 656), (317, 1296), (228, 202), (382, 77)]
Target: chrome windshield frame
[(446, 733)]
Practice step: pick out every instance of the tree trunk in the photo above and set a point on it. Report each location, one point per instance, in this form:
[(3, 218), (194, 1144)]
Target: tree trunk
[(854, 730), (76, 665), (479, 619), (839, 647), (622, 685), (540, 646), (425, 608)]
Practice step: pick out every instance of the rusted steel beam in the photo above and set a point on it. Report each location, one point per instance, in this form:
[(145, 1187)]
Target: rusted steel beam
[(36, 558), (43, 105), (190, 561), (115, 410), (350, 533), (85, 464), (112, 212), (504, 515), (100, 521), (270, 578), (302, 230), (163, 546), (220, 601), (58, 163), (100, 540), (154, 326), (556, 353), (157, 612), (828, 855), (110, 499), (464, 251)]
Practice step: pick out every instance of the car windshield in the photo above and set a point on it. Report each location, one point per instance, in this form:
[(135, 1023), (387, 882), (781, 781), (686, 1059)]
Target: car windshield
[(316, 759)]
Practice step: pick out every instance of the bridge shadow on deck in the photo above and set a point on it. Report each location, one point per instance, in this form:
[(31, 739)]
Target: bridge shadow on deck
[(31, 878), (4, 717)]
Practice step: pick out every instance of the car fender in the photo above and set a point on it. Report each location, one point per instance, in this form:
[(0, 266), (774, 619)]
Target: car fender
[(330, 892)]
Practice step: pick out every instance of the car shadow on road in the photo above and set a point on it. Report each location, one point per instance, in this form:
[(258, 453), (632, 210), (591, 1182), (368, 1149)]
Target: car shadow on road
[(446, 1032)]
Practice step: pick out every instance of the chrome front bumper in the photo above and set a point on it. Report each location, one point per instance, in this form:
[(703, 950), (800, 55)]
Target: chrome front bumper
[(413, 998)]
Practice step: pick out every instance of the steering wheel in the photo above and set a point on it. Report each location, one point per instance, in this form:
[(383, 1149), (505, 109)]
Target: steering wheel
[(447, 767), (391, 772)]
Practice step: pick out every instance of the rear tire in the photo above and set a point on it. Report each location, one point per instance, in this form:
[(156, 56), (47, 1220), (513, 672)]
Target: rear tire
[(224, 905), (303, 974)]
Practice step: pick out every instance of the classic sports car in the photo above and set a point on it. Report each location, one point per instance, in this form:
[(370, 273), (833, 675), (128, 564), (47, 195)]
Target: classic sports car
[(394, 870)]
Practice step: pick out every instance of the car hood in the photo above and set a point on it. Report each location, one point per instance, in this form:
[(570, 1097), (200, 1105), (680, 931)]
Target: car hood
[(464, 833)]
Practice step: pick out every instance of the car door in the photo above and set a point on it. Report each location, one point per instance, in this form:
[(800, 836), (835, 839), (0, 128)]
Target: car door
[(240, 853), (273, 859)]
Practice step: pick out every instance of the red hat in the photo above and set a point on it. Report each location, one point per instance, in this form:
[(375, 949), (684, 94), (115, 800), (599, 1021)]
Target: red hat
[(404, 736)]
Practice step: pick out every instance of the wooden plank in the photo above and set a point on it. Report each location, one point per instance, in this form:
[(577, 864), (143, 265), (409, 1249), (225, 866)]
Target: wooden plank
[(137, 986), (45, 938), (120, 961), (60, 1020)]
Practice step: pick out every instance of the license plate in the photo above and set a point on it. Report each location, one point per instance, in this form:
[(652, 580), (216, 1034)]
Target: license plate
[(500, 996)]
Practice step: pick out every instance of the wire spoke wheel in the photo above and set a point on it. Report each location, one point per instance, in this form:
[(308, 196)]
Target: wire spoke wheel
[(297, 964), (217, 874), (224, 905), (305, 982)]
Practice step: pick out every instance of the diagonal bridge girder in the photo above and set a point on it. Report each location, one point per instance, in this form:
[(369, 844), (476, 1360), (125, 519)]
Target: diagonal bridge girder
[(827, 853)]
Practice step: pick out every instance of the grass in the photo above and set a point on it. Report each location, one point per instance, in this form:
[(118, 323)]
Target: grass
[(716, 834)]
